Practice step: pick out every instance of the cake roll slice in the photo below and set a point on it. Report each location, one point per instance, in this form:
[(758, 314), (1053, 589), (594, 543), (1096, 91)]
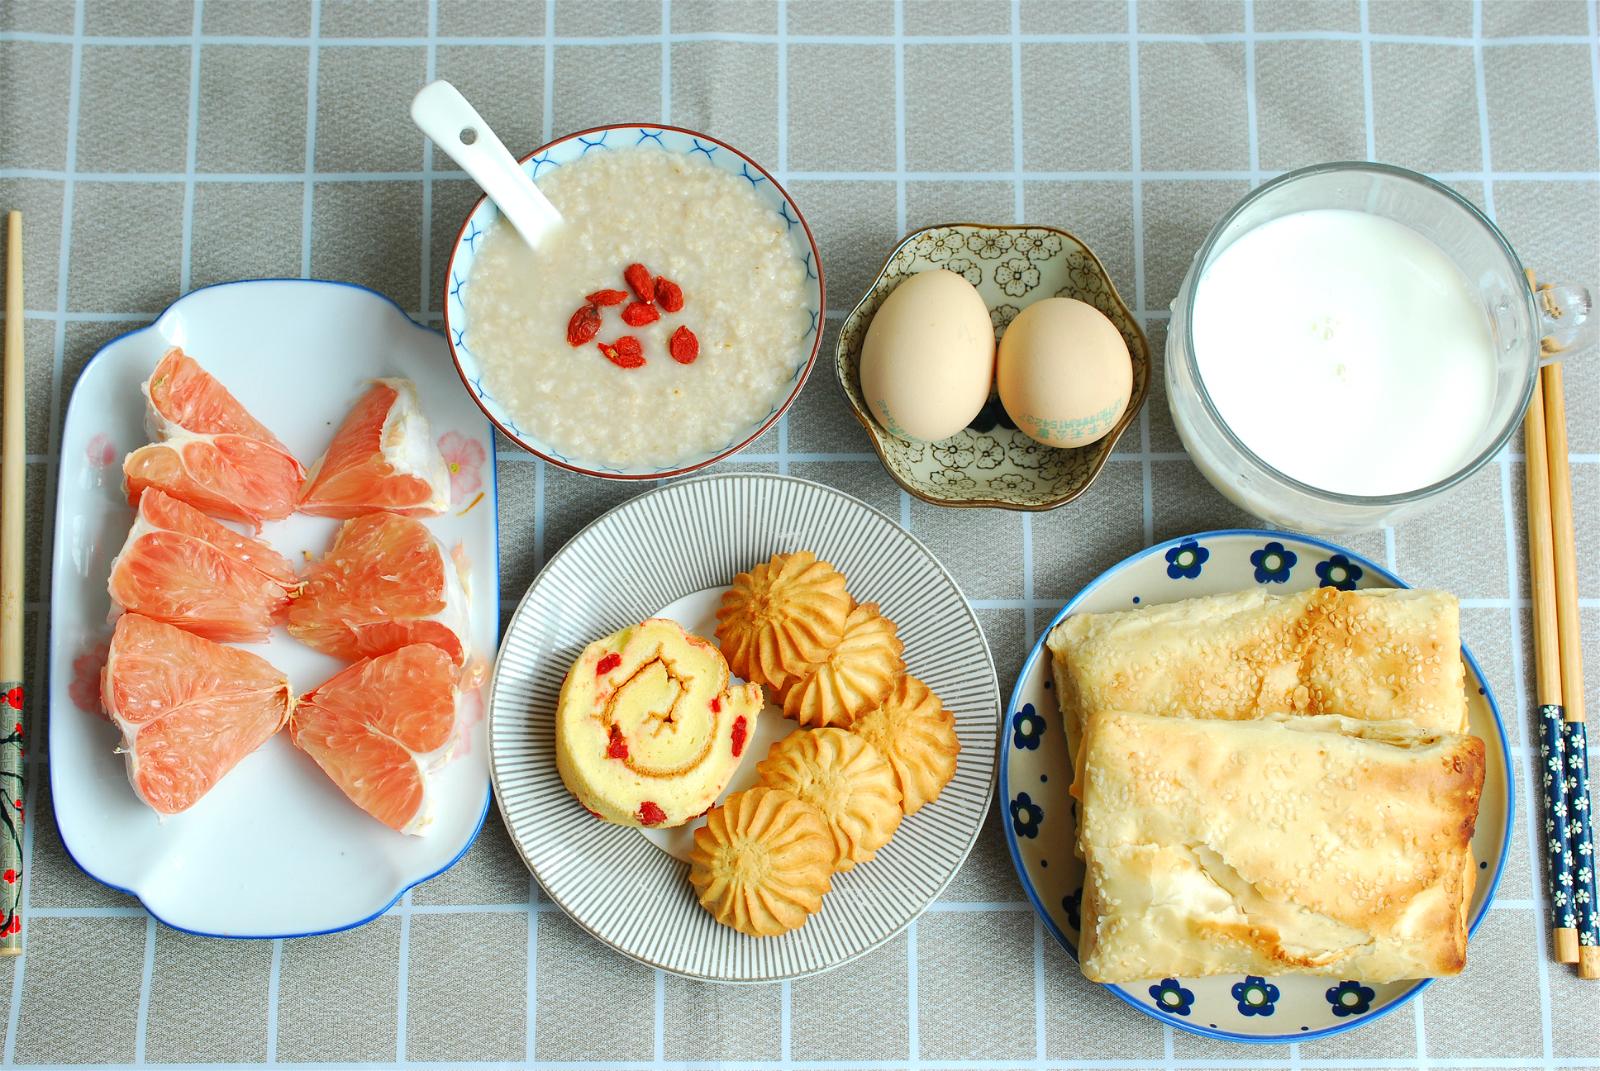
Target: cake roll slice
[(1283, 845)]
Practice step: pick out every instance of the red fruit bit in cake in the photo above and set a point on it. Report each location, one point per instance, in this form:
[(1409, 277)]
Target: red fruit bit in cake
[(650, 814), (669, 295), (591, 810), (741, 729), (637, 314), (607, 297), (716, 704), (640, 282), (607, 664), (583, 326), (625, 352), (616, 747), (683, 346)]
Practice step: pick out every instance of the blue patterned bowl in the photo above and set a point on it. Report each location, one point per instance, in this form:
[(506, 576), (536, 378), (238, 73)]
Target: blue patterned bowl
[(623, 136), (1041, 819)]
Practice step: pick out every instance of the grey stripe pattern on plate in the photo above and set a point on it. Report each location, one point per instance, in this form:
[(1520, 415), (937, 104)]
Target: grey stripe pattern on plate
[(629, 564)]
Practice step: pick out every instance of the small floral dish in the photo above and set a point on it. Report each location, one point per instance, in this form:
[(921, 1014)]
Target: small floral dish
[(990, 462), (614, 138), (1041, 818)]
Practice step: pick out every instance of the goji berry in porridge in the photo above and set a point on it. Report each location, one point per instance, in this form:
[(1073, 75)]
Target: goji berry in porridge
[(661, 324)]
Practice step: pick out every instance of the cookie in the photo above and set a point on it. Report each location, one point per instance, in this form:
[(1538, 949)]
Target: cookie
[(918, 737), (853, 677), (762, 862), (844, 777), (782, 617), (648, 729)]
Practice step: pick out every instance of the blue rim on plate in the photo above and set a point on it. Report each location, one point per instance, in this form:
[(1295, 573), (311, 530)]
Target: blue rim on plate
[(1173, 550), (494, 484)]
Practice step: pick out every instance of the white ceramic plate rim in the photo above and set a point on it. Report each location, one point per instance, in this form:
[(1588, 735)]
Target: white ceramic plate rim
[(977, 826), (1027, 881), (59, 594)]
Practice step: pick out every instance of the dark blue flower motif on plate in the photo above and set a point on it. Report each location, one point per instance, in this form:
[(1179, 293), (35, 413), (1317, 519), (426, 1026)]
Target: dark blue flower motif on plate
[(1026, 816), (1273, 563), (1338, 572), (1072, 904), (1350, 998), (1171, 997), (1027, 726), (1185, 559), (1256, 995)]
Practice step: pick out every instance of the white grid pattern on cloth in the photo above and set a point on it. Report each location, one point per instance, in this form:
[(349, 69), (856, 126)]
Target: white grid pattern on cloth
[(60, 317)]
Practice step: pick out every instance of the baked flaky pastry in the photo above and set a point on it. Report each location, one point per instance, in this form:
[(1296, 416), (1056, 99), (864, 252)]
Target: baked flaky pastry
[(855, 676), (1288, 844), (845, 778), (762, 862), (918, 737), (1375, 655), (782, 617)]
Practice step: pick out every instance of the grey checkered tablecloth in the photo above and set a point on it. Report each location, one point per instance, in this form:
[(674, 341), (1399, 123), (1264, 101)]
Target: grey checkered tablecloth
[(159, 146)]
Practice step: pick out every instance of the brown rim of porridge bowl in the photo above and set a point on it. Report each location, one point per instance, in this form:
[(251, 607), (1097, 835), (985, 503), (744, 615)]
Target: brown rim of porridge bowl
[(800, 381)]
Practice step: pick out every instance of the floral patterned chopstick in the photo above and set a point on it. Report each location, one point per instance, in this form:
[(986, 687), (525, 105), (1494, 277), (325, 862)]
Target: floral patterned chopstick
[(1559, 679), (13, 466)]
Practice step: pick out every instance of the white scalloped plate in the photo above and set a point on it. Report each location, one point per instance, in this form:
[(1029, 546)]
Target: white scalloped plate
[(1041, 820), (274, 850)]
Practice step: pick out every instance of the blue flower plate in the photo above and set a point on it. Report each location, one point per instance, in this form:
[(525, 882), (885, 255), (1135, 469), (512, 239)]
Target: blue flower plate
[(615, 138), (1040, 817)]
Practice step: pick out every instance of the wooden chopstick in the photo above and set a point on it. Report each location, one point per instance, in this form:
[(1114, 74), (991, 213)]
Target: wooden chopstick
[(1547, 678), (1575, 743), (13, 471)]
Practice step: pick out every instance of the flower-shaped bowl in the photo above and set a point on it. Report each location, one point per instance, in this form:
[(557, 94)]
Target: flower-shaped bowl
[(990, 462), (621, 137)]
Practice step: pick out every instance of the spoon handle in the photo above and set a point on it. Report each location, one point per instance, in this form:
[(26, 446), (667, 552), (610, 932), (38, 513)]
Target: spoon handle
[(455, 126)]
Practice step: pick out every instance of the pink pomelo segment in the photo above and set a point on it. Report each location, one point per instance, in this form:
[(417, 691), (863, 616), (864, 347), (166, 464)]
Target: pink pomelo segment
[(189, 710), (386, 583), (383, 457), (181, 567), (380, 728), (210, 452)]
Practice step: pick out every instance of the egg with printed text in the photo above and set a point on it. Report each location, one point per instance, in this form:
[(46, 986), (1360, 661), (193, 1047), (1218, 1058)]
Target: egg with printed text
[(1063, 373)]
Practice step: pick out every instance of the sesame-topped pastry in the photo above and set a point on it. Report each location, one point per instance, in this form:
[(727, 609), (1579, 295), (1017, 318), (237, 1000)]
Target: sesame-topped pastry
[(648, 730), (847, 779), (853, 677), (762, 862), (918, 737), (1374, 655), (781, 617), (1282, 845)]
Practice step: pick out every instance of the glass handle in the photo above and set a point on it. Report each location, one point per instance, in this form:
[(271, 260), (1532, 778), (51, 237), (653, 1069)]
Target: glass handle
[(1566, 315)]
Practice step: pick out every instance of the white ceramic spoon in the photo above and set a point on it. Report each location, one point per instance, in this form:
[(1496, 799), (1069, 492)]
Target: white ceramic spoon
[(455, 126)]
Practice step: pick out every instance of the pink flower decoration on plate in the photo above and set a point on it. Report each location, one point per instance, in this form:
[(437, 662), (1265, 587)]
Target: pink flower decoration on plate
[(470, 712), (464, 458), (85, 686), (101, 451)]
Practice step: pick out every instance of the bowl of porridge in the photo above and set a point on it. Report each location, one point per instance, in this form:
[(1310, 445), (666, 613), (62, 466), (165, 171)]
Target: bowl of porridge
[(667, 324)]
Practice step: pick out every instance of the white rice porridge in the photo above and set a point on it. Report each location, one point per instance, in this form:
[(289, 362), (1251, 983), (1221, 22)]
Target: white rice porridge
[(682, 218)]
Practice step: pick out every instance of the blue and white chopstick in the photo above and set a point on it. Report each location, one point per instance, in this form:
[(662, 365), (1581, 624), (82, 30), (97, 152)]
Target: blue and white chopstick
[(1563, 741)]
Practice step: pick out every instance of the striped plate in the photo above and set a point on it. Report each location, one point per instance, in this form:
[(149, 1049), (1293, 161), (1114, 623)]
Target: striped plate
[(669, 553)]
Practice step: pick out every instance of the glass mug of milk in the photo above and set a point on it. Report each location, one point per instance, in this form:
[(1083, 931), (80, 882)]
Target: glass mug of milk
[(1352, 340)]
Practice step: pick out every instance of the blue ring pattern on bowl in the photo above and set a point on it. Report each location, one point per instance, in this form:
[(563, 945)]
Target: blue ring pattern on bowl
[(564, 150)]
